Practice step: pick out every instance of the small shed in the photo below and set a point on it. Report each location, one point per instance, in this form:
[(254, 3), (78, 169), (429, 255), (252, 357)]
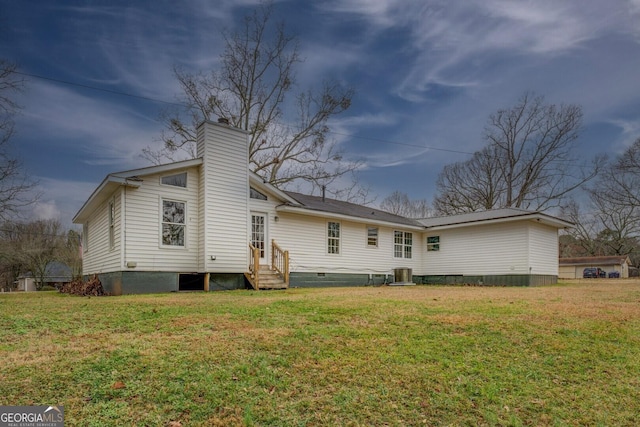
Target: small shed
[(56, 273), (26, 284), (572, 268)]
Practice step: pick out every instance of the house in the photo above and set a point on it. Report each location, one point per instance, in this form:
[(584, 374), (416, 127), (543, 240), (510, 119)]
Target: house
[(209, 224), (56, 273), (572, 268)]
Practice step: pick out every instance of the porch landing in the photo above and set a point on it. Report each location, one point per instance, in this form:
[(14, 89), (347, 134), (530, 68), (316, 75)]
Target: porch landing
[(266, 279)]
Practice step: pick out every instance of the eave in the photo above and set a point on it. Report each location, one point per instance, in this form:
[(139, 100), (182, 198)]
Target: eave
[(534, 216), (129, 179), (102, 193), (259, 182)]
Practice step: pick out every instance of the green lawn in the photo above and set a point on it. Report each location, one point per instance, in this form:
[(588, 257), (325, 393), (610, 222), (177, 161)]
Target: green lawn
[(423, 355)]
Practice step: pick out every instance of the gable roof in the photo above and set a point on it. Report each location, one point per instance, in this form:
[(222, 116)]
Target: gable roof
[(55, 271), (492, 216), (320, 206), (126, 178), (317, 204), (261, 184), (596, 260)]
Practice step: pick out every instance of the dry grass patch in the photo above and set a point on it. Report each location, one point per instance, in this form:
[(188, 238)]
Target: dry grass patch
[(559, 355)]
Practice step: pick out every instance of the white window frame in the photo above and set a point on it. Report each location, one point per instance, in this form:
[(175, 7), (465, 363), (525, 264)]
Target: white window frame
[(371, 238), (333, 241), (402, 248), (186, 180), (255, 192), (85, 237), (265, 236), (433, 246), (183, 224)]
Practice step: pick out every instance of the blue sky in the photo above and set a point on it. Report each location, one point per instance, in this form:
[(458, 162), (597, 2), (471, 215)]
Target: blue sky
[(427, 74)]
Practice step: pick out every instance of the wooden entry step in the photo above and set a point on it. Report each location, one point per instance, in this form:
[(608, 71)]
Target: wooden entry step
[(267, 279)]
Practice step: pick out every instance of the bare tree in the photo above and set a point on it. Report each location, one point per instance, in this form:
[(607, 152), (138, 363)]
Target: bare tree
[(251, 90), (615, 203), (15, 185), (470, 186), (69, 253), (399, 203), (11, 265), (600, 232), (36, 245), (619, 184), (584, 234), (529, 162)]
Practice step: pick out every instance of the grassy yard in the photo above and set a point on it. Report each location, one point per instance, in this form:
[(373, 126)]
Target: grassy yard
[(559, 355)]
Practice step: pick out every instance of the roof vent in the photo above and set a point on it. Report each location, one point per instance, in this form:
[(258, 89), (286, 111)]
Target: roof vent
[(223, 121)]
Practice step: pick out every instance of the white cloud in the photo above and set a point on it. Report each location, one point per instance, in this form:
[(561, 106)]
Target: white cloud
[(378, 12), (345, 127), (45, 210), (428, 72), (630, 131), (394, 156), (453, 42), (99, 131), (58, 199)]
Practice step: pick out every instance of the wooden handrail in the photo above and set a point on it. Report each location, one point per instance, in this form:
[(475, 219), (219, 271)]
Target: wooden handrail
[(280, 261), (254, 265)]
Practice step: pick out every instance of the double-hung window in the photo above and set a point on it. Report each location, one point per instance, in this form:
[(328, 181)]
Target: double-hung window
[(372, 237), (433, 243), (333, 237), (173, 223), (402, 244)]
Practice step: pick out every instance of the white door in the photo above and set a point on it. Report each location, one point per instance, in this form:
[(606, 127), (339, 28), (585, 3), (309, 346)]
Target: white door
[(259, 235)]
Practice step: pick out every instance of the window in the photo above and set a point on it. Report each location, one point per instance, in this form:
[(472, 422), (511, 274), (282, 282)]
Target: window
[(333, 237), (403, 244), (433, 243), (178, 180), (173, 223), (255, 194), (112, 215), (85, 237), (408, 244), (372, 237)]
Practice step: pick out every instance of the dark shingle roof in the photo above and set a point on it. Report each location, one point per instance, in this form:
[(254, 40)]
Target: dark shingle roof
[(55, 271), (316, 203)]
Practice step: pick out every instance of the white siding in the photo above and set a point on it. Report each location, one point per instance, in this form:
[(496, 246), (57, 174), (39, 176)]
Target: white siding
[(99, 256), (225, 194), (568, 272), (305, 237), (143, 231), (479, 250), (543, 249)]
